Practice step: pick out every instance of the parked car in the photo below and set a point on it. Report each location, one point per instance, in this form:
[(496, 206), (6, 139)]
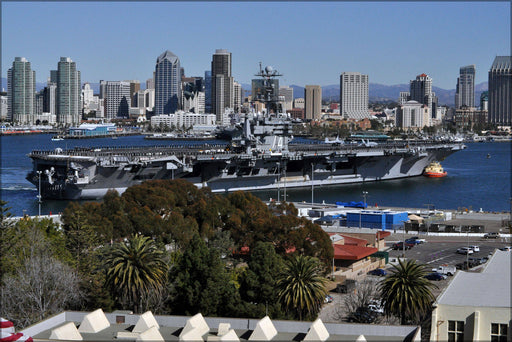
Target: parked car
[(348, 286), (400, 245), (435, 276), (465, 265), (376, 306), (491, 235), (445, 269), (478, 261), (415, 240), (506, 249), (465, 250), (328, 299), (475, 249), (378, 272)]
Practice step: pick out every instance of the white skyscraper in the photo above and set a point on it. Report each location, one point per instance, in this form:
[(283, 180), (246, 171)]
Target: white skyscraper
[(287, 92), (354, 95), (465, 91), (21, 88), (68, 92)]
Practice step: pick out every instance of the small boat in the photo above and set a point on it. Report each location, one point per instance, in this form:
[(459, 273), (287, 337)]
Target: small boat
[(488, 156), (434, 169), (57, 138)]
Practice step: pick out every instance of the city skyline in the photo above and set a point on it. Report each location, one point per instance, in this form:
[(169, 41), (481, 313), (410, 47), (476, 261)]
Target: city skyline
[(371, 38)]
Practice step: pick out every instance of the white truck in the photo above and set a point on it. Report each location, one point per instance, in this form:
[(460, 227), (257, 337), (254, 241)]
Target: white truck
[(445, 269)]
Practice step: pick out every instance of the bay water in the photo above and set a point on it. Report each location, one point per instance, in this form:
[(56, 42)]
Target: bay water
[(475, 181)]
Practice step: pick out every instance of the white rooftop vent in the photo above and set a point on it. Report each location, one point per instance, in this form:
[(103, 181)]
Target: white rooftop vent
[(194, 329), (152, 334), (94, 322), (146, 321), (223, 329), (264, 331), (361, 339), (67, 332), (317, 332), (230, 336)]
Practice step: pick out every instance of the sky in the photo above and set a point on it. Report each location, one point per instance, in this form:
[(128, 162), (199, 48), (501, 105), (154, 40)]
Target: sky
[(307, 42)]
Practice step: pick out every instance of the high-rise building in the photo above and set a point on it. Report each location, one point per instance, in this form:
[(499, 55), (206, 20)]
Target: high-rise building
[(354, 95), (50, 98), (208, 91), (167, 83), (465, 90), (134, 88), (313, 102), (237, 96), (484, 101), (150, 83), (222, 83), (500, 91), (68, 92), (421, 90), (21, 89), (117, 100), (287, 92)]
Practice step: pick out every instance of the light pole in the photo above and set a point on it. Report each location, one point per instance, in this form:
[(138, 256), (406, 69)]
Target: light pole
[(312, 185), (39, 194), (365, 193), (278, 181)]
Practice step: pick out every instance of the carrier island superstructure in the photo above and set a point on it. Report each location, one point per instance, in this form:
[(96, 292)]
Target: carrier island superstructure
[(262, 157)]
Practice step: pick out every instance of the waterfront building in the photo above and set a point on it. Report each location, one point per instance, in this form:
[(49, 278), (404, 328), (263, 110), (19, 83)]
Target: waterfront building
[(313, 102), (167, 83), (500, 91), (67, 78), (287, 92), (68, 91), (465, 90), (3, 107), (298, 103), (117, 99), (354, 95), (87, 129), (208, 91), (21, 89), (222, 83), (182, 119), (466, 118), (412, 115), (476, 306)]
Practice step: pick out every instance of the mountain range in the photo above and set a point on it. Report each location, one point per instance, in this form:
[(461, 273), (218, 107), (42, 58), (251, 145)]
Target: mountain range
[(377, 92)]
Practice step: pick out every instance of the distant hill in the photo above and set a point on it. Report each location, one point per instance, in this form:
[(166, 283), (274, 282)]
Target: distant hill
[(378, 92)]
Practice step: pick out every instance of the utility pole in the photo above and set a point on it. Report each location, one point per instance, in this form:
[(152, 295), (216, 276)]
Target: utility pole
[(312, 185), (39, 194)]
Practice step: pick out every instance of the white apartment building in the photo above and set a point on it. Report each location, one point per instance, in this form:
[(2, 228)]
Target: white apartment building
[(287, 92), (412, 115), (298, 103), (476, 306), (3, 107), (182, 119), (354, 95)]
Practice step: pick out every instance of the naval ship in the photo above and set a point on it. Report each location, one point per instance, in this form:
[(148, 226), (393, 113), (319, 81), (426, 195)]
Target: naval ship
[(261, 158)]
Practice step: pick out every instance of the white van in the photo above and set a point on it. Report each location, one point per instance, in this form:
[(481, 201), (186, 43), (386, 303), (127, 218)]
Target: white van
[(445, 269)]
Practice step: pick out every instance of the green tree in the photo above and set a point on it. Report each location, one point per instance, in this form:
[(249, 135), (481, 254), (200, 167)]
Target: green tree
[(134, 268), (258, 284), (301, 286), (406, 293), (202, 284)]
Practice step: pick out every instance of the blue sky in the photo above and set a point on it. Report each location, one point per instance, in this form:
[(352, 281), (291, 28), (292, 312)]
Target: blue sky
[(308, 42)]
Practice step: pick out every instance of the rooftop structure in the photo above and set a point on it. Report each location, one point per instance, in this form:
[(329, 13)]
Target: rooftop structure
[(146, 327), (476, 306)]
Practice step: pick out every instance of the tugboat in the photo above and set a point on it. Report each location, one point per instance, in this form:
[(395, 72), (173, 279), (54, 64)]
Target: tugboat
[(434, 169)]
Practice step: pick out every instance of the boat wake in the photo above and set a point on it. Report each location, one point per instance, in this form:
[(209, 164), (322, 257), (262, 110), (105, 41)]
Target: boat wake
[(18, 188)]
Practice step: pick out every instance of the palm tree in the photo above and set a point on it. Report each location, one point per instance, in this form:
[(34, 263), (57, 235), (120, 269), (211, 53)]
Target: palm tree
[(136, 267), (301, 286), (406, 293)]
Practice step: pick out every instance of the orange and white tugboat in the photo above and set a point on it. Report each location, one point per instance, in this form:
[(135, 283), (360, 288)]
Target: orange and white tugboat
[(434, 169)]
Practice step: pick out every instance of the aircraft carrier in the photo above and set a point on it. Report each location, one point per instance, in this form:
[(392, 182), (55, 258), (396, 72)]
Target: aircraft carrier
[(262, 157)]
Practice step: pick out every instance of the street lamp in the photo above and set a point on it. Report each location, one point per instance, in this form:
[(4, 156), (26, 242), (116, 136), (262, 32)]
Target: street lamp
[(365, 193), (39, 195), (312, 184)]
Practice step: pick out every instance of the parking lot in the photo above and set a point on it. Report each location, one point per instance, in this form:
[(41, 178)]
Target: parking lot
[(439, 250), (436, 251)]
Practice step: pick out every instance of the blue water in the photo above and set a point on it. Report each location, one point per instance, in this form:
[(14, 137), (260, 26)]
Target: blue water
[(473, 180)]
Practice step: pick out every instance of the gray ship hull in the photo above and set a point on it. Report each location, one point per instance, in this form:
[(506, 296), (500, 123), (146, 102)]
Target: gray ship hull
[(89, 174)]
